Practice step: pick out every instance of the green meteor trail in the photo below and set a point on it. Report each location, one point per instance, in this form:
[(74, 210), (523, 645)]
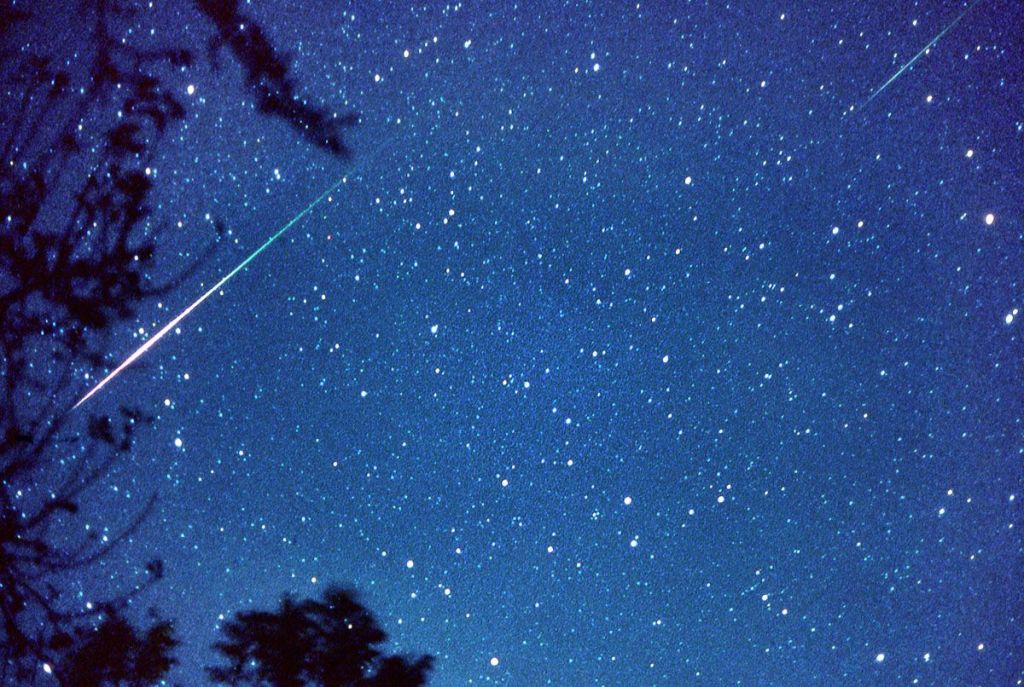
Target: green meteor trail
[(150, 342), (918, 56)]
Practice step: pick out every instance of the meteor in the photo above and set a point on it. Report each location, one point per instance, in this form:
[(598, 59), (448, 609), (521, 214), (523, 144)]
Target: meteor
[(150, 342), (918, 56)]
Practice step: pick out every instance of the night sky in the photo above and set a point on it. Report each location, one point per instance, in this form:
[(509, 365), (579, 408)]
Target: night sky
[(634, 349)]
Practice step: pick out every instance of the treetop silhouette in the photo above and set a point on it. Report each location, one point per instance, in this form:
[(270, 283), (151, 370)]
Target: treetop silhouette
[(332, 642)]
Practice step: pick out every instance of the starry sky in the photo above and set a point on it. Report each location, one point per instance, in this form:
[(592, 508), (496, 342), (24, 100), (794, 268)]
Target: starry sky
[(633, 349)]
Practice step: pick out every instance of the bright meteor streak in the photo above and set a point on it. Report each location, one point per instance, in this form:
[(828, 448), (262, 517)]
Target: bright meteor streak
[(150, 342), (918, 56)]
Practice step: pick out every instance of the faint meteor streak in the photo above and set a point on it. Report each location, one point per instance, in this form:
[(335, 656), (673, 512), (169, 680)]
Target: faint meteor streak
[(150, 342), (916, 57)]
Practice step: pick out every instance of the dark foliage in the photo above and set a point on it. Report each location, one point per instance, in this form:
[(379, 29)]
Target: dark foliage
[(267, 75), (77, 238), (333, 642), (116, 654)]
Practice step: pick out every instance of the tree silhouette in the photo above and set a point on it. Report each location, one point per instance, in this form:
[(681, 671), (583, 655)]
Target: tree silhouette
[(115, 654), (273, 89), (333, 642), (77, 238)]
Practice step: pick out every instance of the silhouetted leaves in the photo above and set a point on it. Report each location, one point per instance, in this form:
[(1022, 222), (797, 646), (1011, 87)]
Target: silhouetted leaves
[(333, 642), (116, 653), (267, 74), (399, 671), (77, 240)]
